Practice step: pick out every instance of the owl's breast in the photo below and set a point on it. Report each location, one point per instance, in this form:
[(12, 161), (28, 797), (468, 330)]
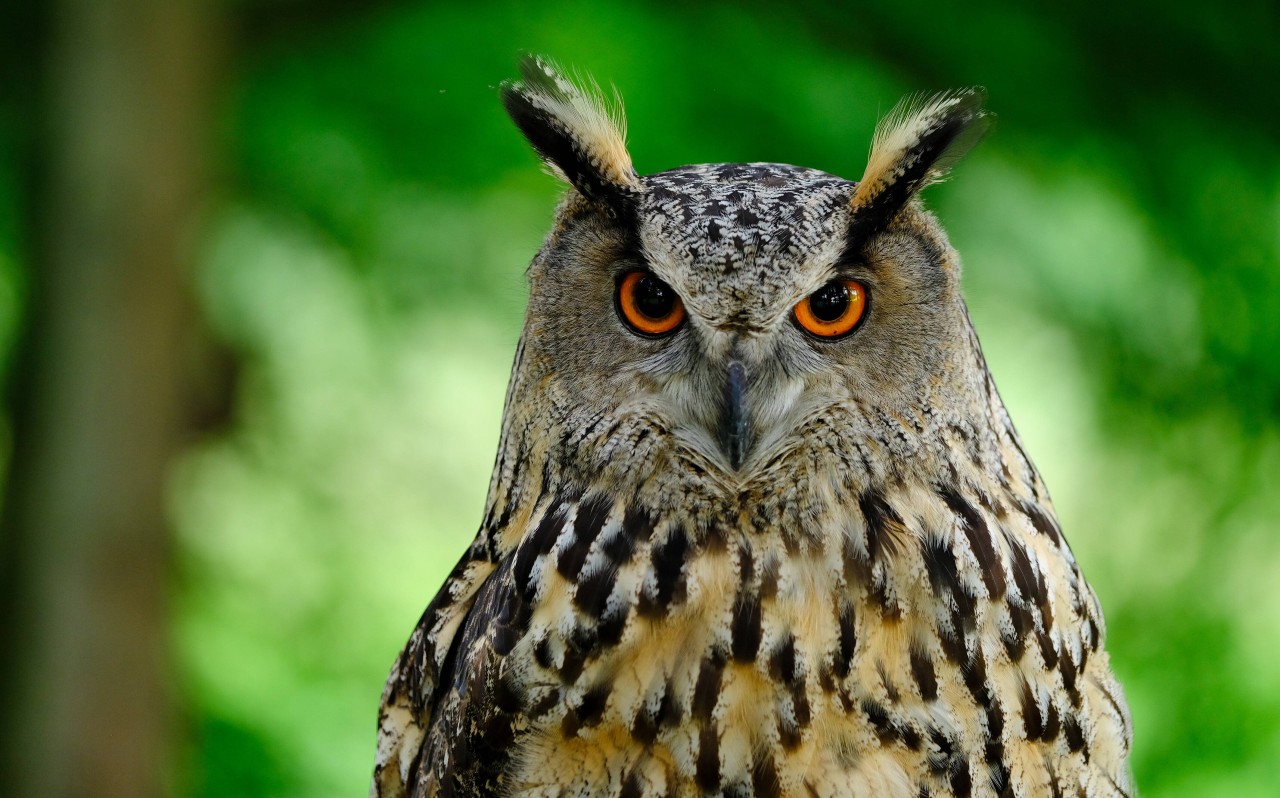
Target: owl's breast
[(688, 665), (740, 661)]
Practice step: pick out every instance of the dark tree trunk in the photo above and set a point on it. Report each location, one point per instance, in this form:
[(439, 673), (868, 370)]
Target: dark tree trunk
[(99, 398)]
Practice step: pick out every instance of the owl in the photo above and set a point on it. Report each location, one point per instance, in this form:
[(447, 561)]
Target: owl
[(759, 523)]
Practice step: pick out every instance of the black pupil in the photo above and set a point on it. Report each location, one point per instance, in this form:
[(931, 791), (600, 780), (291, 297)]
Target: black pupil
[(654, 298), (830, 301)]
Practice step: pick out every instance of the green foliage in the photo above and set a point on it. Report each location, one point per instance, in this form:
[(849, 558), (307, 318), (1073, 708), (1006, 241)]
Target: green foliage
[(1120, 231)]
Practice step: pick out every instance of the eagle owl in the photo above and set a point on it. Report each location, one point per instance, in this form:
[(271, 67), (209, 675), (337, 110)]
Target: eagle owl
[(759, 523)]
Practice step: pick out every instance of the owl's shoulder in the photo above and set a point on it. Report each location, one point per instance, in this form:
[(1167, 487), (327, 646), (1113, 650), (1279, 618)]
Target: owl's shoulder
[(427, 666)]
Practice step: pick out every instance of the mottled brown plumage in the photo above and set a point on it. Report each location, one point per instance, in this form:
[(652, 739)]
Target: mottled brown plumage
[(739, 559)]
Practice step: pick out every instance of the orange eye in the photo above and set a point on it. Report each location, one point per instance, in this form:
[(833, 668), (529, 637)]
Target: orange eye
[(834, 310), (648, 305)]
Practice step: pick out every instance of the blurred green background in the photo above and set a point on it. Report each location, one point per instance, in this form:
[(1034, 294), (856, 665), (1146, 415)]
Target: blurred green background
[(342, 280)]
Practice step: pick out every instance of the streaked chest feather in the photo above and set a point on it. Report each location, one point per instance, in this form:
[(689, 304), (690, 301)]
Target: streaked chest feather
[(949, 651)]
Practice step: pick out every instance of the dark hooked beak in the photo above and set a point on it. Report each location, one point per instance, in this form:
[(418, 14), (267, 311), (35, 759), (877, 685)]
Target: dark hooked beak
[(735, 419)]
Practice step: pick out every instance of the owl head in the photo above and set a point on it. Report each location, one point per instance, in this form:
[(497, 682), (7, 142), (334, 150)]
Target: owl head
[(733, 310)]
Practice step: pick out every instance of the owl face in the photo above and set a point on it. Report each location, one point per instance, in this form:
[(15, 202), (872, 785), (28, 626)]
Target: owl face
[(731, 303)]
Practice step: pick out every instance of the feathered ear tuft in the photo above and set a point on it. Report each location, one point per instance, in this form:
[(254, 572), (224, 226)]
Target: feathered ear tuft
[(914, 146), (575, 131)]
